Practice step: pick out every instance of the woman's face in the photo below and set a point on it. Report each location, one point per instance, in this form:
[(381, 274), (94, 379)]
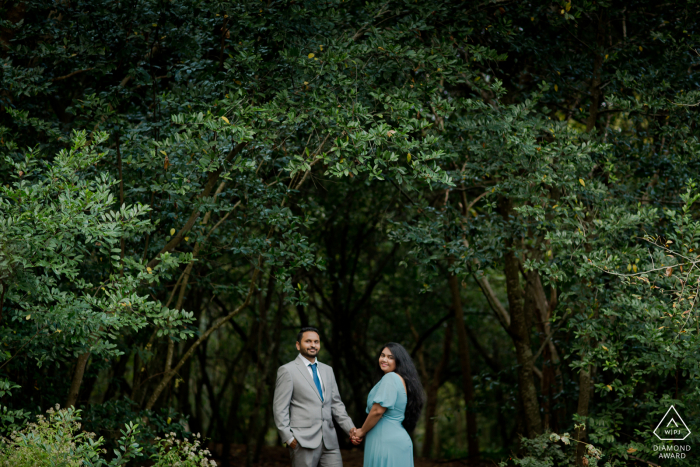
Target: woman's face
[(386, 361)]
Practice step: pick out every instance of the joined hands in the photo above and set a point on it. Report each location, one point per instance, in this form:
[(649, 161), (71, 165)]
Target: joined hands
[(356, 435)]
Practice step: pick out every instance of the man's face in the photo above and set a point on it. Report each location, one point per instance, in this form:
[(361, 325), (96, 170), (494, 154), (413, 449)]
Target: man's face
[(310, 345)]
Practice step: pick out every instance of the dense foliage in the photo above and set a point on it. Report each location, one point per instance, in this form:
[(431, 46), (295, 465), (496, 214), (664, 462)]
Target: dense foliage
[(505, 188)]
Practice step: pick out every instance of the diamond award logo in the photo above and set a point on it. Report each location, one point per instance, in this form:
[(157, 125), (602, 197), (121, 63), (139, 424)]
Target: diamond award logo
[(672, 427)]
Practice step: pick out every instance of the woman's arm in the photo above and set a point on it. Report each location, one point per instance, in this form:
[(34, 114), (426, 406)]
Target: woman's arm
[(375, 414)]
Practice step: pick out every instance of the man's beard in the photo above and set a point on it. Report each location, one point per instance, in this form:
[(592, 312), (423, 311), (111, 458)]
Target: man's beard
[(306, 353)]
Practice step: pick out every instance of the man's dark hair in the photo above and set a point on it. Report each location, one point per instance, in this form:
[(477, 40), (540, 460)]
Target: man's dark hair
[(307, 328)]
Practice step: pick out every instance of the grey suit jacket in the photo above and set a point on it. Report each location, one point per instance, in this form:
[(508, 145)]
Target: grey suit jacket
[(298, 409)]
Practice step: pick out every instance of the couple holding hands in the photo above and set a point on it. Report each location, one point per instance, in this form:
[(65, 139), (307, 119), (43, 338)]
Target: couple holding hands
[(307, 402)]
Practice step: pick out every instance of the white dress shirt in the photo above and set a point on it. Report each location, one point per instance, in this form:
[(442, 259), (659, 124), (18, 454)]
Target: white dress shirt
[(311, 372)]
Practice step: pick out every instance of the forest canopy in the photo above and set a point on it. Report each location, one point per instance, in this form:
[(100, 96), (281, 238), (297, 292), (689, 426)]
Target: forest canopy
[(505, 188)]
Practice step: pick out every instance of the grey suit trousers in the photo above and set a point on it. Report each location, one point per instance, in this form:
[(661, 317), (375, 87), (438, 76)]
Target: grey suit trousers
[(320, 456)]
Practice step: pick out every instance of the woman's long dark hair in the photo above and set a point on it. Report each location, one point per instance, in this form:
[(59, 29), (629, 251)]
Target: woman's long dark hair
[(414, 388)]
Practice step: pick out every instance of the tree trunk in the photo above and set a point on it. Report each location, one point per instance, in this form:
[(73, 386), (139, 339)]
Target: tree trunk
[(272, 365), (506, 439), (184, 390), (541, 314), (584, 397), (468, 384), (254, 420), (216, 423), (430, 409), (519, 331), (77, 379), (254, 424), (436, 440), (432, 395), (197, 422), (232, 420)]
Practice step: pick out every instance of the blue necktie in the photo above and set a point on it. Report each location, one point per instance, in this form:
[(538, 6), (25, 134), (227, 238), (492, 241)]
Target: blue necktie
[(317, 381)]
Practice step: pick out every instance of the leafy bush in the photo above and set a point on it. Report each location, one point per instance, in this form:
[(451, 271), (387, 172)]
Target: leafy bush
[(108, 418), (545, 451), (10, 420), (174, 452), (57, 440)]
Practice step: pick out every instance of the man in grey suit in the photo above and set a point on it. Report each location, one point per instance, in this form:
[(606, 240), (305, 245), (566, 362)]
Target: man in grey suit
[(305, 404)]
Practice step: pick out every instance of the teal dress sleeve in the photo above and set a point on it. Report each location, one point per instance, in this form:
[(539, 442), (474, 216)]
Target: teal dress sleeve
[(385, 393)]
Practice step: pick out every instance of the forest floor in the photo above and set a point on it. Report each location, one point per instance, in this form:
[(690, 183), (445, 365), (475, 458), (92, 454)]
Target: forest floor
[(278, 456)]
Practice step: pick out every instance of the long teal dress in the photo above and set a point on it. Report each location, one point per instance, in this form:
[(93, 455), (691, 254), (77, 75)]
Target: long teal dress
[(388, 443)]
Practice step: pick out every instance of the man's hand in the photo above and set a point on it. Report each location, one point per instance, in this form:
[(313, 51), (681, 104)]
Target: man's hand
[(354, 438), (293, 444)]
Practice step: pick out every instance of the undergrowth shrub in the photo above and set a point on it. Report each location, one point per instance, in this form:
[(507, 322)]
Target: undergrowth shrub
[(58, 440), (53, 440), (181, 453), (554, 450)]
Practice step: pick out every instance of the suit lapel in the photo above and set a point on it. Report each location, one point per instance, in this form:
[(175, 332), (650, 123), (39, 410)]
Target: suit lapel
[(301, 366)]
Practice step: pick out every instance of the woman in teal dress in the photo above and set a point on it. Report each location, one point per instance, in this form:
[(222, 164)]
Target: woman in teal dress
[(394, 405)]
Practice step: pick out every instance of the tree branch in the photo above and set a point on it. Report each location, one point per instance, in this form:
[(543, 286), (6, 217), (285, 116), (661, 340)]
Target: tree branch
[(213, 177), (496, 306), (217, 324), (60, 78), (383, 9), (421, 339), (77, 379), (374, 280)]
